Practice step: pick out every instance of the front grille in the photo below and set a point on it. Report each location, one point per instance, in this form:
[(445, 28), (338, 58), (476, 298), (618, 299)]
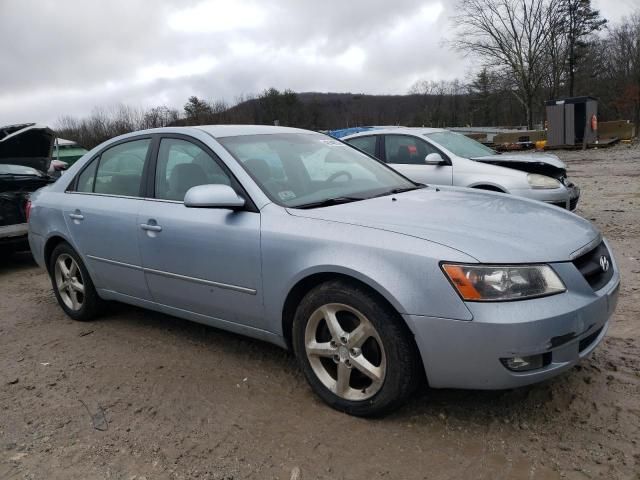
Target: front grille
[(591, 269), (559, 204), (587, 341)]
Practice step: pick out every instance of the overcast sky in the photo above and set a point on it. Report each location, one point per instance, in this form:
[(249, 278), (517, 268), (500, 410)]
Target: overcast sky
[(64, 57)]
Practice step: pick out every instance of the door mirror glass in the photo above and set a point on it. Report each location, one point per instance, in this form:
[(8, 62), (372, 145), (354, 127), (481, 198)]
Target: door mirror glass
[(434, 159), (213, 196)]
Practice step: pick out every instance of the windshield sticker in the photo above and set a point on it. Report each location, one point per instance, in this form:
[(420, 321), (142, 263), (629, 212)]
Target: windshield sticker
[(286, 195), (332, 143)]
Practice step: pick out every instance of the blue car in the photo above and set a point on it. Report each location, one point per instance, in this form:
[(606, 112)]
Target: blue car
[(375, 282)]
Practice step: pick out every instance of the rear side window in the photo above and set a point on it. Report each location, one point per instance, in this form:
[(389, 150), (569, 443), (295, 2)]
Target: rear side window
[(403, 149), (120, 169), (366, 144), (87, 177), (182, 165)]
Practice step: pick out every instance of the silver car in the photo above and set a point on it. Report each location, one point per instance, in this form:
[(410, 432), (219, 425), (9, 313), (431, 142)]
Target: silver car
[(441, 157), (376, 283)]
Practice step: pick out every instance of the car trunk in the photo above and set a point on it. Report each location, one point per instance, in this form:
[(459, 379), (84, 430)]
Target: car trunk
[(27, 144)]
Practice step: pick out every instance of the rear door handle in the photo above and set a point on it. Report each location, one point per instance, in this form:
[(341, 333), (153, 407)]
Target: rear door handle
[(151, 228), (76, 216)]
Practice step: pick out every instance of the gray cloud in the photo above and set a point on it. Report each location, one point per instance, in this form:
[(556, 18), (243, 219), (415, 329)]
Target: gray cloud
[(68, 56)]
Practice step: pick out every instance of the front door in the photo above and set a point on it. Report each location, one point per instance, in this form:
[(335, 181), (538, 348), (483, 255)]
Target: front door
[(101, 213), (202, 260), (406, 154)]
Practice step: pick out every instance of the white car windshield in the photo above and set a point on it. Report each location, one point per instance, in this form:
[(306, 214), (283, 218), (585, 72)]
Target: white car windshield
[(312, 170), (459, 144)]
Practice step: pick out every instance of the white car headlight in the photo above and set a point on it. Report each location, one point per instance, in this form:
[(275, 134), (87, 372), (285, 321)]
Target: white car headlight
[(493, 283), (542, 181)]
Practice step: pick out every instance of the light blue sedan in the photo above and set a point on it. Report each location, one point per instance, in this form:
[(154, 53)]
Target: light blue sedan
[(374, 281)]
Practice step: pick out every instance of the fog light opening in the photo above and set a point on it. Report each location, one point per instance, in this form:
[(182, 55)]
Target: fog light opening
[(525, 364)]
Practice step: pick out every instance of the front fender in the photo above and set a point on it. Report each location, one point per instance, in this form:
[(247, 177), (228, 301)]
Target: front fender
[(404, 270)]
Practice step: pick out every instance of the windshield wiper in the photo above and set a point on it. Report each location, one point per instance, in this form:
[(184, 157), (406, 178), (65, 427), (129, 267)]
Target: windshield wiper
[(329, 202), (399, 190)]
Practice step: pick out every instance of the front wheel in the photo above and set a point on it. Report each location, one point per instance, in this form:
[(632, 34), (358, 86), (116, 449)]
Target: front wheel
[(354, 350), (72, 285)]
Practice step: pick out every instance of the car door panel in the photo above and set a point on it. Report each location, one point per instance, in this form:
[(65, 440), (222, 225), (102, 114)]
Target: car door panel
[(204, 260), (105, 229)]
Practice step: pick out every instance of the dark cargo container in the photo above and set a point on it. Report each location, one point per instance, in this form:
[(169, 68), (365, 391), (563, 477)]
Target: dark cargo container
[(572, 121)]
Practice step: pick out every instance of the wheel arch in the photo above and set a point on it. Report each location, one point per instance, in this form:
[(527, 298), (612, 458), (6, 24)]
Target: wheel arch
[(52, 242), (310, 281), (489, 187)]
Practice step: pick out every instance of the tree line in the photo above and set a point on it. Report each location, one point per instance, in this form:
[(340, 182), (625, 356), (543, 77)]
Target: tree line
[(526, 52), (544, 49)]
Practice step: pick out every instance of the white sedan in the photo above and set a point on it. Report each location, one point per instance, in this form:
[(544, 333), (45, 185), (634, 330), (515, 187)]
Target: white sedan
[(441, 157)]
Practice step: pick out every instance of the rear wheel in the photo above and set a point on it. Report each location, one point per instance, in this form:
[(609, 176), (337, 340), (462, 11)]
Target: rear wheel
[(72, 285), (354, 349)]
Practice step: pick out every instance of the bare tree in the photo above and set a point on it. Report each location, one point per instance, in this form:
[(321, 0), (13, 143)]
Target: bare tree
[(161, 116), (511, 36), (623, 66)]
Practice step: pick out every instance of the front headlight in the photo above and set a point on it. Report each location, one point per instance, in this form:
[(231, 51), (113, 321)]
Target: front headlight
[(542, 181), (493, 283)]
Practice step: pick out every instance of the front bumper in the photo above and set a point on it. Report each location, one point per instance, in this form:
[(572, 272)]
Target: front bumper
[(566, 196), (14, 237), (13, 231), (567, 326)]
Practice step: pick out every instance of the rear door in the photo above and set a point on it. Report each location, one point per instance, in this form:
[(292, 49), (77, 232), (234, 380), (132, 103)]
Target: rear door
[(202, 260), (101, 213), (406, 154)]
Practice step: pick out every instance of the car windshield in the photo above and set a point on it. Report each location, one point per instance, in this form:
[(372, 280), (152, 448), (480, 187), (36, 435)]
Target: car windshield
[(10, 169), (307, 170), (459, 144)]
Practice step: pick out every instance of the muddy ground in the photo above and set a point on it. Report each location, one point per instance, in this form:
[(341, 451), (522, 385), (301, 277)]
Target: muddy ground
[(139, 395)]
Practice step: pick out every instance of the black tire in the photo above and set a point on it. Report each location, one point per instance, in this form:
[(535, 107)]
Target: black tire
[(403, 370), (92, 304)]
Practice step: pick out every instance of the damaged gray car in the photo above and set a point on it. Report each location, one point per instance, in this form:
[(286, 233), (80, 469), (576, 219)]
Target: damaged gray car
[(441, 157), (25, 157)]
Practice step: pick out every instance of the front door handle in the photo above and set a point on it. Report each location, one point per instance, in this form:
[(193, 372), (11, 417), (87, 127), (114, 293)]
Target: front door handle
[(151, 228)]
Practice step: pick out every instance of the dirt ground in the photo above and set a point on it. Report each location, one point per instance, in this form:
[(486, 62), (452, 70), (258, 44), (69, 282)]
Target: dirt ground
[(139, 395)]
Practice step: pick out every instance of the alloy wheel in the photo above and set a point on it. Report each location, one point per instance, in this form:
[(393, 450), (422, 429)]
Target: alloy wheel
[(345, 352), (69, 282)]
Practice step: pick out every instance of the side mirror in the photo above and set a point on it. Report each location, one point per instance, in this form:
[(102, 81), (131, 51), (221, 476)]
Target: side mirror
[(434, 159), (213, 196)]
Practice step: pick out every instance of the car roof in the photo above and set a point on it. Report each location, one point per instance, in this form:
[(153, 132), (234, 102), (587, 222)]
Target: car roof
[(219, 131), (398, 130)]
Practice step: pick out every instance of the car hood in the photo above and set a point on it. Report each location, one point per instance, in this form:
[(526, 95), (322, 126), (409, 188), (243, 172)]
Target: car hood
[(27, 144), (541, 163), (491, 227)]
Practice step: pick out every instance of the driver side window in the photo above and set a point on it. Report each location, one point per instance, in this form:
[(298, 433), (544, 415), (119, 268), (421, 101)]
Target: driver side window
[(407, 150), (182, 165)]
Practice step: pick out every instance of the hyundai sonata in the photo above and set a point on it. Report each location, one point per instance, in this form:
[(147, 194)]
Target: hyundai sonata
[(375, 282)]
